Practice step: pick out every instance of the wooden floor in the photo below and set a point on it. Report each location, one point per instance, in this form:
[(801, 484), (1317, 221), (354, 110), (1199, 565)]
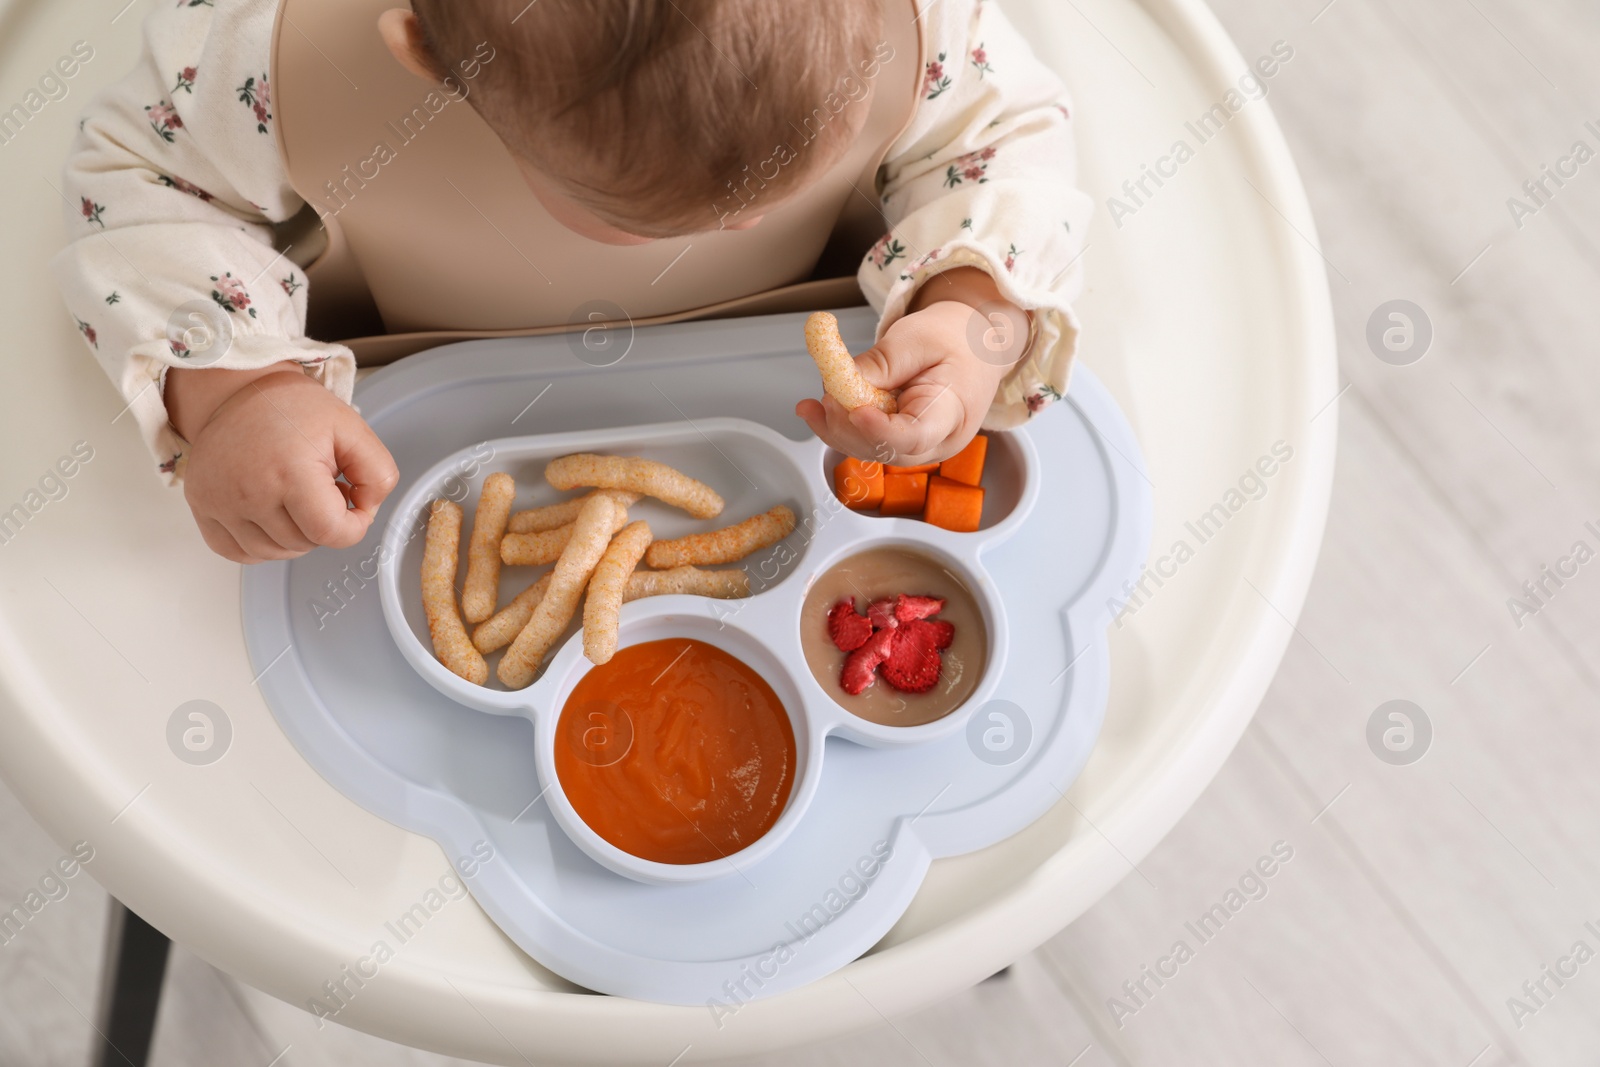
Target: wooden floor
[(1418, 899)]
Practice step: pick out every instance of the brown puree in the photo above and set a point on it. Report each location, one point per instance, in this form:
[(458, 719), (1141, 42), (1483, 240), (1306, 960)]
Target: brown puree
[(884, 572)]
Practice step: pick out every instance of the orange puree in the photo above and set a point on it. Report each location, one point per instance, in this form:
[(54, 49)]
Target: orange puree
[(675, 752)]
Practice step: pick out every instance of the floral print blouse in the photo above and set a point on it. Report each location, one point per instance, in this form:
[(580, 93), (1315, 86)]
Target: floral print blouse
[(175, 181)]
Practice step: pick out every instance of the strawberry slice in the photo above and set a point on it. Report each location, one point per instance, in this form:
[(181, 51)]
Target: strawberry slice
[(913, 663), (861, 666), (911, 608), (943, 632), (882, 613), (848, 628)]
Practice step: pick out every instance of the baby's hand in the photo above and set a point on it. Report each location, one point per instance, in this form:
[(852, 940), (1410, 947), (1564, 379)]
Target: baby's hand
[(261, 467), (930, 357)]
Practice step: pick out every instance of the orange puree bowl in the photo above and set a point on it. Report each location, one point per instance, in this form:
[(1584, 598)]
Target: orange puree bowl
[(689, 756)]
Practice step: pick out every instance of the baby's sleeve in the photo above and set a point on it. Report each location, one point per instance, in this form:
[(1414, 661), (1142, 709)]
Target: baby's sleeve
[(984, 177), (172, 186)]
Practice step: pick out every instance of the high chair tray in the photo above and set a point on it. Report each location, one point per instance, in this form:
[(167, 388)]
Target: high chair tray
[(344, 665)]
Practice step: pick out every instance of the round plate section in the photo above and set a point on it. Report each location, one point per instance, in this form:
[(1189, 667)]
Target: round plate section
[(844, 873)]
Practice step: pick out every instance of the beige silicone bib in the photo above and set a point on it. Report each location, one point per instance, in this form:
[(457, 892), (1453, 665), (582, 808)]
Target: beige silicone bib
[(432, 234)]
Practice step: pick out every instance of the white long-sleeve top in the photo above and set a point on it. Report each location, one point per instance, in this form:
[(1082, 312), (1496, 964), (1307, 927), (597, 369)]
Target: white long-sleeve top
[(175, 179)]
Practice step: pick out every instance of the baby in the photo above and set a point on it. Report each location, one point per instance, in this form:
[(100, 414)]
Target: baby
[(628, 119)]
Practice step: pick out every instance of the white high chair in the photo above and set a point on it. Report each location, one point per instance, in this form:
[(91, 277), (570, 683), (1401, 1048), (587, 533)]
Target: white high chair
[(1207, 315)]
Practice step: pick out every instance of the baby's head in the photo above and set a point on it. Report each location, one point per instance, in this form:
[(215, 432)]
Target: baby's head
[(638, 119)]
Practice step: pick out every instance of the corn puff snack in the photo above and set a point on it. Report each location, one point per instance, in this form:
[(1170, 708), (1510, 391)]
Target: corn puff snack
[(591, 533), (537, 549), (537, 520), (841, 378), (725, 545), (483, 550), (731, 584), (507, 623), (635, 475), (440, 555), (604, 599)]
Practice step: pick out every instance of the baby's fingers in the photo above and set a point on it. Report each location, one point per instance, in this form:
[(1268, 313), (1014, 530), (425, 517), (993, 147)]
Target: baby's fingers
[(253, 538), (911, 438), (220, 541), (366, 465), (896, 360), (830, 421), (318, 508), (285, 532)]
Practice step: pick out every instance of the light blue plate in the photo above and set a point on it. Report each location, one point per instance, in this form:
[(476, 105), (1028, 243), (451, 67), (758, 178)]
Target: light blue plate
[(849, 867)]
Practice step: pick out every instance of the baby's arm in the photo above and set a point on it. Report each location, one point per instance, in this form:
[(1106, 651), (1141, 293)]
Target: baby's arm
[(172, 186), (975, 278)]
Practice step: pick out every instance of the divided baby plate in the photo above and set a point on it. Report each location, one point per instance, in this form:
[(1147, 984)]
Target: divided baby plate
[(1066, 521)]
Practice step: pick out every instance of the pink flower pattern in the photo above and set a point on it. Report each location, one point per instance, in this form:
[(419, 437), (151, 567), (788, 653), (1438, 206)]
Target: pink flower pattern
[(922, 261), (934, 79), (886, 251), (972, 167), (91, 212), (183, 186), (88, 332), (185, 81), (257, 95), (164, 118), (231, 295), (1041, 396), (980, 59)]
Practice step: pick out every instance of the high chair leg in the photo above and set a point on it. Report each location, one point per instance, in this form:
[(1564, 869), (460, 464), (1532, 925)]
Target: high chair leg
[(130, 989)]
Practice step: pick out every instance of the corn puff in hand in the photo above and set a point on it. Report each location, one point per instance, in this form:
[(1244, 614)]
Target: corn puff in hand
[(841, 378)]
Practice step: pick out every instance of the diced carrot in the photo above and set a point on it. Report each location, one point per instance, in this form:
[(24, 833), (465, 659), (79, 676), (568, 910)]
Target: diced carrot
[(920, 468), (966, 466), (859, 483), (904, 494), (954, 505)]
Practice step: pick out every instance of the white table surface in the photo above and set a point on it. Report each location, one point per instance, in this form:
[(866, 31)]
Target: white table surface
[(1208, 317)]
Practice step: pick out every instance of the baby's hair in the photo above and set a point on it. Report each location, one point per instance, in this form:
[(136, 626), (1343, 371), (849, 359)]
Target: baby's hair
[(663, 117)]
